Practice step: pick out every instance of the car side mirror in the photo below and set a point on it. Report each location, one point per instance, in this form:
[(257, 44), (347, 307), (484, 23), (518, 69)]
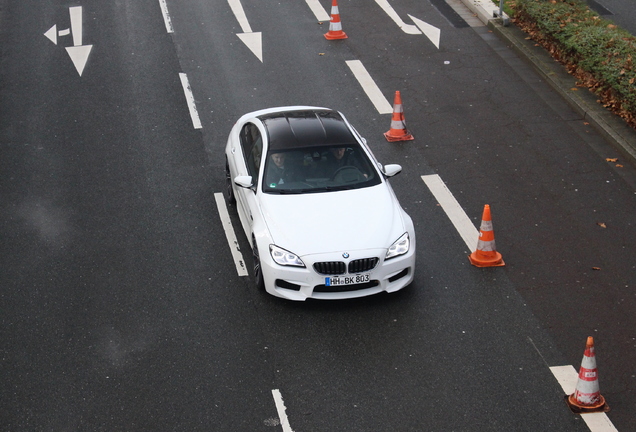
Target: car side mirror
[(392, 169), (243, 181)]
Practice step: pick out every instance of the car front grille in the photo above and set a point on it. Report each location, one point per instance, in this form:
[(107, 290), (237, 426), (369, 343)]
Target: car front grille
[(339, 267), (330, 267), (362, 265)]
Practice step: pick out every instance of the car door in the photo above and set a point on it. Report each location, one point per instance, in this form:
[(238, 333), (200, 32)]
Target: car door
[(251, 142)]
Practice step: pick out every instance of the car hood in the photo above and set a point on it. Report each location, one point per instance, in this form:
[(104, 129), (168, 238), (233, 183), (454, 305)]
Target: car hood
[(367, 218)]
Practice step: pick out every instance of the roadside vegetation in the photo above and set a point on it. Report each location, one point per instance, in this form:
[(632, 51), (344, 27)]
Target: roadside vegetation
[(597, 52)]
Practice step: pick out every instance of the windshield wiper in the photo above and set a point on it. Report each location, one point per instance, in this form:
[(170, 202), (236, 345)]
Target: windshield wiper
[(284, 191)]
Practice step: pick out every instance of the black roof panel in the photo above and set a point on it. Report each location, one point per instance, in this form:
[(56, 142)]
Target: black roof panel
[(306, 128)]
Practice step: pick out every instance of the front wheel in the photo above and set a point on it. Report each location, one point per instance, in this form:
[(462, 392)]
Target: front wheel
[(258, 271)]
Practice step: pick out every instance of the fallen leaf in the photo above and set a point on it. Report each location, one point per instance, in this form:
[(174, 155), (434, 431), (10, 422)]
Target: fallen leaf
[(611, 159), (321, 53), (619, 166), (596, 268), (601, 224)]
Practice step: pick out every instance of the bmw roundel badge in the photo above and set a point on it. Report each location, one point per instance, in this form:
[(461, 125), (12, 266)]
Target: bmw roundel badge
[(345, 255)]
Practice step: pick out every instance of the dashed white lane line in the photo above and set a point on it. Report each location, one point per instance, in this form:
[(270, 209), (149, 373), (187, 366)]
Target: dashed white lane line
[(568, 378), (239, 262), (453, 210), (320, 12), (370, 87), (166, 16), (280, 407), (187, 90)]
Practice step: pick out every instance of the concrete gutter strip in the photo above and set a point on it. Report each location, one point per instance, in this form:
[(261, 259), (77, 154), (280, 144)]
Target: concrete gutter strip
[(484, 9), (614, 128)]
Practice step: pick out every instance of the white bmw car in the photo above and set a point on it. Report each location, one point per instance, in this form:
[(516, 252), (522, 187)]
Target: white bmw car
[(316, 206)]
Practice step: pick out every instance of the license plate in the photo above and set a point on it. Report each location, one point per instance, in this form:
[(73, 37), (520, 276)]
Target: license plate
[(347, 280)]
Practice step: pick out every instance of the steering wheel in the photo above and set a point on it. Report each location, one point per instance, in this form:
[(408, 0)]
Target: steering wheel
[(347, 174)]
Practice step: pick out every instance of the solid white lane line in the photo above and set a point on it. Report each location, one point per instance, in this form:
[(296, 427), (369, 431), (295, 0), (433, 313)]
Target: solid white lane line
[(568, 378), (166, 16), (187, 90), (599, 422), (453, 210), (280, 407), (370, 87), (230, 235), (320, 12)]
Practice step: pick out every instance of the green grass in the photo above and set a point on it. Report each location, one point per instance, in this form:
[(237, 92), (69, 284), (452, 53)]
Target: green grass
[(599, 53)]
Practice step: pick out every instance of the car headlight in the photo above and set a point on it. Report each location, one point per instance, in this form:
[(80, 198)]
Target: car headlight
[(400, 247), (284, 257)]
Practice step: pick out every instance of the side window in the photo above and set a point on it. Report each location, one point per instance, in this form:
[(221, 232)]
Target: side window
[(252, 143)]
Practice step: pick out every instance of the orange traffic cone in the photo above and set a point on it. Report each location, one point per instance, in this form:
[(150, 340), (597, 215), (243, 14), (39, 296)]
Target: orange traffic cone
[(587, 396), (335, 26), (398, 130), (486, 254)]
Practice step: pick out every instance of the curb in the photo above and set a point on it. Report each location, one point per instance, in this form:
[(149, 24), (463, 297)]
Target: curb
[(611, 126), (485, 10)]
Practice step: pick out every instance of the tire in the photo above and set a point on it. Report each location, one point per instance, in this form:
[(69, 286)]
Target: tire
[(229, 192)]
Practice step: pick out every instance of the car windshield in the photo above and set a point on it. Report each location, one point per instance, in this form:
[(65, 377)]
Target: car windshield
[(318, 169)]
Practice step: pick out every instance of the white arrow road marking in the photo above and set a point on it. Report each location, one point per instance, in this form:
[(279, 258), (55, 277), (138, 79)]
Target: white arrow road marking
[(453, 210), (370, 87), (280, 407), (78, 53), (79, 56), (249, 38), (51, 34), (230, 235), (254, 42), (431, 32), (239, 13), (406, 28), (320, 12), (76, 24)]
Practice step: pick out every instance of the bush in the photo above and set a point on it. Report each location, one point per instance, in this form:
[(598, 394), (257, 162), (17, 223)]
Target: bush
[(597, 52)]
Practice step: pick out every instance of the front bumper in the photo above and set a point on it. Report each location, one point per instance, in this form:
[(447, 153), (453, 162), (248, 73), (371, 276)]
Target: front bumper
[(296, 283)]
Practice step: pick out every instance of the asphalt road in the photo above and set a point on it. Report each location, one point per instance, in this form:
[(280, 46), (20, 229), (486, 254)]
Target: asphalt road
[(620, 11), (122, 307)]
